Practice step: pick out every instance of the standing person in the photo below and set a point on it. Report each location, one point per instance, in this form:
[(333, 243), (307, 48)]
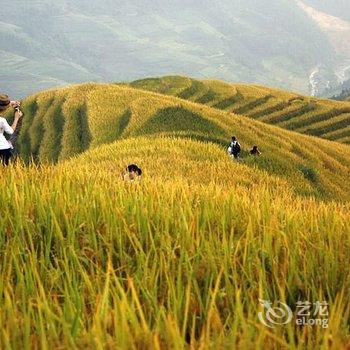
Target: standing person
[(6, 146), (234, 148)]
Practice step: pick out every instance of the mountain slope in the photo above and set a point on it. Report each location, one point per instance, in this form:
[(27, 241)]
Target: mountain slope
[(111, 264), (59, 42), (338, 8), (323, 118), (181, 258), (344, 96), (66, 122), (342, 92)]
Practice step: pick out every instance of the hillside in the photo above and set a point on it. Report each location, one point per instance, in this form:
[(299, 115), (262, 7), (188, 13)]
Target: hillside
[(180, 259), (312, 116), (338, 90), (65, 122), (177, 261), (344, 96), (52, 43), (338, 8)]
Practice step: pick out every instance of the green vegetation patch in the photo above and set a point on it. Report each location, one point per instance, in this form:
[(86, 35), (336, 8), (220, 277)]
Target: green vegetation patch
[(77, 136), (173, 119), (309, 173)]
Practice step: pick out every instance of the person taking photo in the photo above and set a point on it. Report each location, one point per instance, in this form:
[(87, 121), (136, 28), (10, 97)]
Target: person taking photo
[(5, 145)]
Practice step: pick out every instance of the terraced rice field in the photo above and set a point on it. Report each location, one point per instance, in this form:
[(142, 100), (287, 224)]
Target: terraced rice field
[(303, 114), (180, 259), (66, 122)]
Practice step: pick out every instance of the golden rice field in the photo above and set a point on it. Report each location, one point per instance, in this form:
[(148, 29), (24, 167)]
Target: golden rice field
[(328, 119), (181, 259), (66, 122)]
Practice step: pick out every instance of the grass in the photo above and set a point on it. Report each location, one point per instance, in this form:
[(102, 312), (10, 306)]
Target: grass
[(181, 259), (337, 134), (309, 173), (177, 261)]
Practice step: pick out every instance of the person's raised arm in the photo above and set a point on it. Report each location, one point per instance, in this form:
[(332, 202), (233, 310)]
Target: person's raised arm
[(18, 116)]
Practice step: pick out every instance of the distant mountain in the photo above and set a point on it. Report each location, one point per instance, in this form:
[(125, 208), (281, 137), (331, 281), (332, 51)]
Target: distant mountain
[(340, 91), (272, 42), (337, 30), (343, 96), (337, 8)]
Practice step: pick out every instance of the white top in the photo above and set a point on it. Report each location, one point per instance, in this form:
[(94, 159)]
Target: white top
[(5, 127)]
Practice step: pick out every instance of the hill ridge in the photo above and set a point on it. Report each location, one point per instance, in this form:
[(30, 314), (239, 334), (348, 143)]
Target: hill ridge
[(89, 115), (289, 110)]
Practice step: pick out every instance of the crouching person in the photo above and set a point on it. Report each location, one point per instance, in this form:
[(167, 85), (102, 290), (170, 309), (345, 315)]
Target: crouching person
[(255, 151), (132, 173)]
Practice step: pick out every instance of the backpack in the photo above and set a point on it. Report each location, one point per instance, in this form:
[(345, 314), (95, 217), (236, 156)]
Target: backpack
[(234, 147), (237, 147)]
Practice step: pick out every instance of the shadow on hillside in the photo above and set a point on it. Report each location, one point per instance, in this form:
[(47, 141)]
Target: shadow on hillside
[(124, 121), (30, 108), (48, 134), (182, 120), (76, 134)]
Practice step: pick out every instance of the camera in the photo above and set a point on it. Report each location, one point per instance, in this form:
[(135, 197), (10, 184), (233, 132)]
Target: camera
[(17, 109)]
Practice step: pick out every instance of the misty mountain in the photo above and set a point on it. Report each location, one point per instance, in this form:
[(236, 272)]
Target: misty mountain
[(338, 8), (271, 42), (340, 92)]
